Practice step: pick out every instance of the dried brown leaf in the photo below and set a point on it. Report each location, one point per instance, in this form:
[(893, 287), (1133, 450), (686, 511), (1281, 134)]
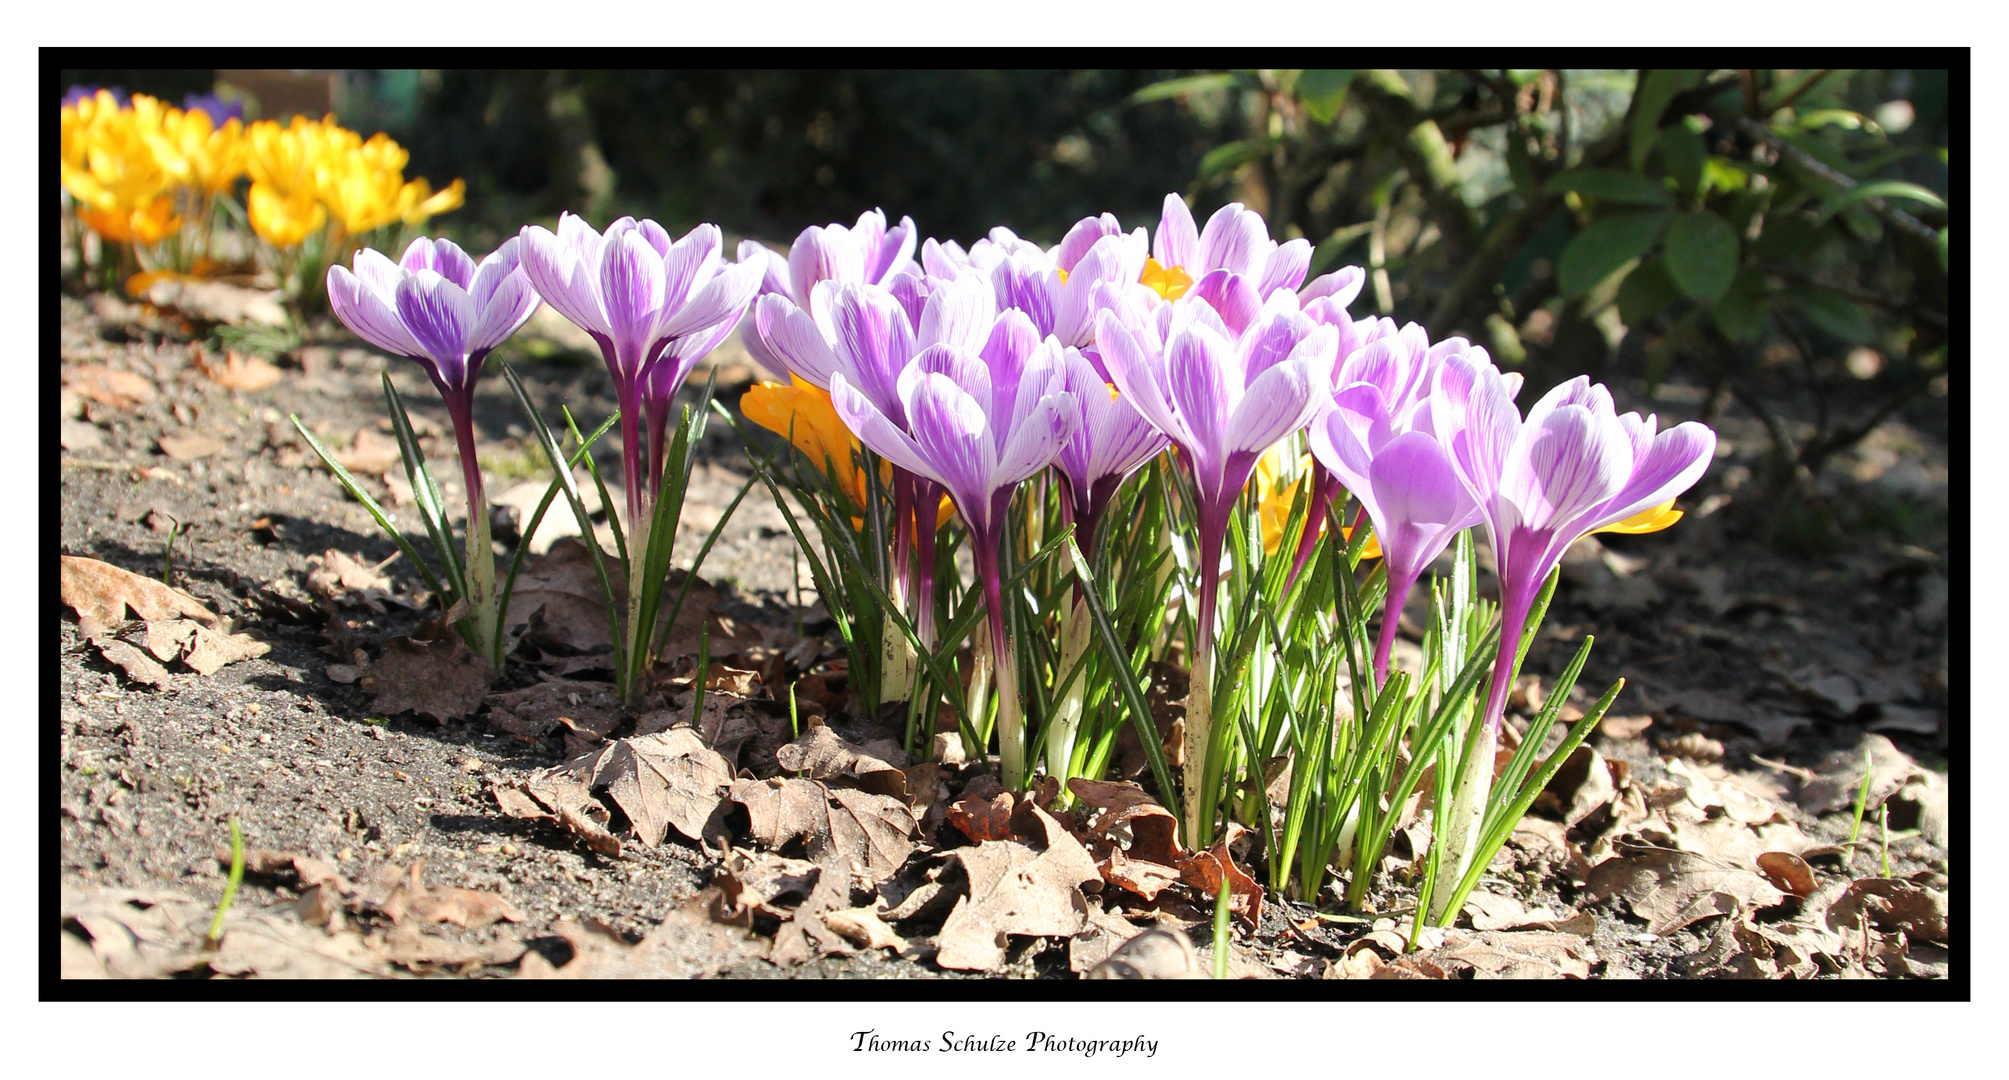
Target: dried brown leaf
[(663, 781), (118, 389), (443, 679), (1204, 871), (1840, 776), (1671, 889), (239, 372), (1012, 890), (1889, 906), (1494, 954), (822, 754), (370, 452), (864, 928), (1132, 819), (138, 666), (587, 709), (101, 594), (1787, 872), (841, 827)]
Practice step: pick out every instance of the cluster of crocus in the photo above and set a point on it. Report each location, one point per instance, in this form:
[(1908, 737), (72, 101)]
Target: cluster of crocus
[(977, 369), (307, 174), (655, 305), (137, 168), (148, 177)]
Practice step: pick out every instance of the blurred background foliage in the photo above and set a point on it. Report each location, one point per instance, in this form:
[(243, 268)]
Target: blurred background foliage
[(1777, 238)]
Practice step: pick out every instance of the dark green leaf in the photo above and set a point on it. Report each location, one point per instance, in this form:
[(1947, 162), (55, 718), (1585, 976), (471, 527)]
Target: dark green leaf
[(1230, 156), (1791, 238), (1646, 292), (1192, 84), (1835, 315), (1323, 91), (1656, 92), (1702, 255), (1612, 185), (1597, 252), (1741, 313), (1682, 151)]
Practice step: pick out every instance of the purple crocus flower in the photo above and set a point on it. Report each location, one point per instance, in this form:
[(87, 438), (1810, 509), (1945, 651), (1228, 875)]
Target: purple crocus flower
[(213, 104), (868, 252), (978, 422), (1112, 441), (1236, 240), (436, 306), (1063, 300), (653, 305), (1224, 390), (1573, 466), (868, 335), (1376, 438)]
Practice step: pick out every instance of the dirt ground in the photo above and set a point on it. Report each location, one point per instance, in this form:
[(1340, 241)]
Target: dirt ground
[(1702, 838)]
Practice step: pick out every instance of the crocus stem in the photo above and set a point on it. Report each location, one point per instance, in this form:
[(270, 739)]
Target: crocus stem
[(1475, 780), (1399, 585), (924, 509), (896, 654), (1067, 714), (1010, 724), (1200, 696), (1324, 485), (636, 632), (480, 560)]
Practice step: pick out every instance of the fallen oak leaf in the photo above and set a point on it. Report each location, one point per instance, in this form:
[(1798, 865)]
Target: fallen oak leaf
[(1011, 890), (101, 594), (837, 826), (1123, 809), (822, 754), (662, 781)]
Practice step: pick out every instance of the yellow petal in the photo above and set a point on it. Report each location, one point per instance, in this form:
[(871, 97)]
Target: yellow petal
[(1646, 521)]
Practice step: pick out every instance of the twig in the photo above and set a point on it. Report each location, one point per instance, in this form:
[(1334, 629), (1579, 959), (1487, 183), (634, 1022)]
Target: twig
[(1891, 215)]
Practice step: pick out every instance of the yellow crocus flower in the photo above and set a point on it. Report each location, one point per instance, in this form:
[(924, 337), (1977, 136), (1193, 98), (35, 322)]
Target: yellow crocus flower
[(197, 153), (282, 219), (803, 413), (417, 201), (1275, 493)]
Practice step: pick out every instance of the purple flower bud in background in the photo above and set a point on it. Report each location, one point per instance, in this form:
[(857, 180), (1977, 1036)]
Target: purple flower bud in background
[(1112, 441), (213, 104)]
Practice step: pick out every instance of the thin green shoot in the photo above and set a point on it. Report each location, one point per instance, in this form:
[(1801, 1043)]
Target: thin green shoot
[(230, 886), (1862, 801), (1221, 930), (176, 529), (794, 717), (698, 683)]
